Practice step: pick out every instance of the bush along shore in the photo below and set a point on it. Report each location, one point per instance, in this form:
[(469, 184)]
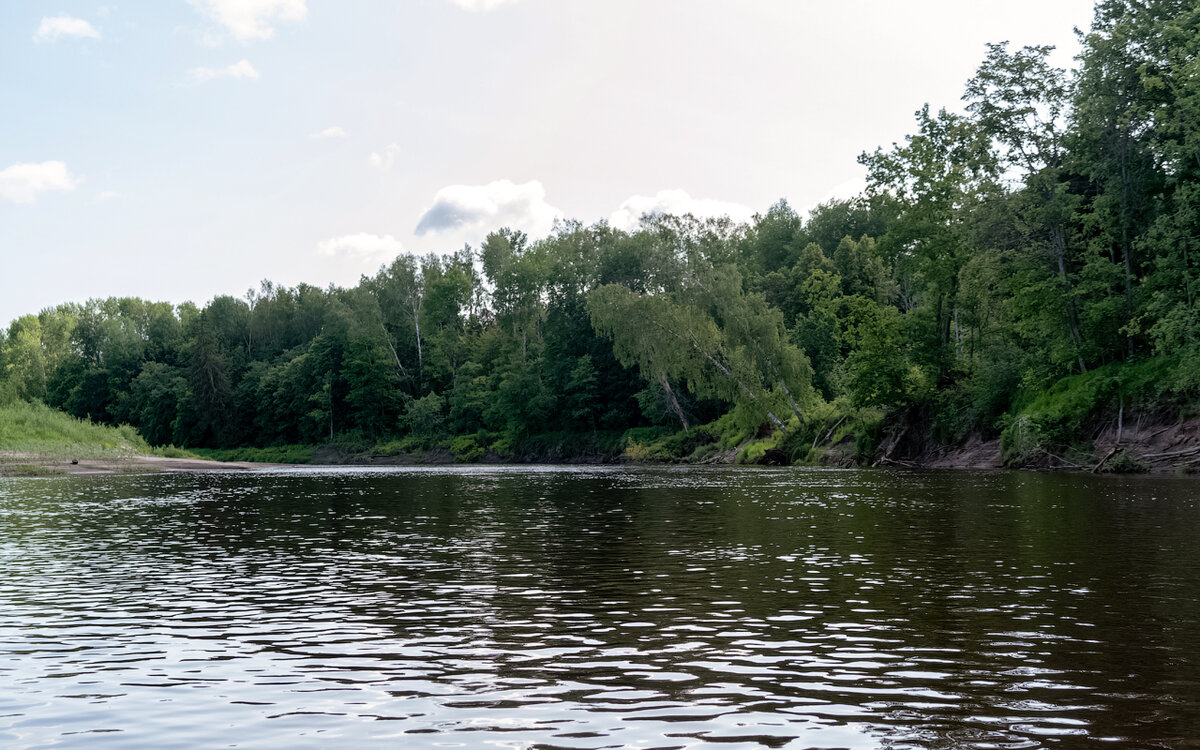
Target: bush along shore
[(1112, 420), (1016, 286)]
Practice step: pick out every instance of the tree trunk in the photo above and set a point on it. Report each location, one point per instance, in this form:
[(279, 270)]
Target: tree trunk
[(417, 324), (673, 402), (1126, 250), (1187, 285), (792, 402), (1059, 243), (395, 357)]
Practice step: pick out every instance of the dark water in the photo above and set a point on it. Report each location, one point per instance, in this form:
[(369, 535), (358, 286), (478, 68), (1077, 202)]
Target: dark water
[(518, 608)]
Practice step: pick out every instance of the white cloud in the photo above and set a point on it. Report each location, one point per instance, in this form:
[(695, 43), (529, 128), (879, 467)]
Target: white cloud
[(480, 5), (845, 190), (21, 183), (478, 209), (240, 69), (107, 195), (678, 203), (60, 26), (362, 246), (330, 132), (252, 19), (386, 159)]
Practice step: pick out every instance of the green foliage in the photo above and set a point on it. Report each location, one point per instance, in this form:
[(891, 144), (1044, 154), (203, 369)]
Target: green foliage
[(278, 454), (504, 445), (1058, 417), (467, 449), (645, 443), (755, 450), (425, 419), (880, 370)]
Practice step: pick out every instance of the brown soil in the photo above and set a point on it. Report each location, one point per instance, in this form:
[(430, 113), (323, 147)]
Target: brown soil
[(1138, 441), (976, 453), (1171, 447)]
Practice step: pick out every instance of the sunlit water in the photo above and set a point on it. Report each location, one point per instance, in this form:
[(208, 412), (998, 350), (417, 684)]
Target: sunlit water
[(589, 608)]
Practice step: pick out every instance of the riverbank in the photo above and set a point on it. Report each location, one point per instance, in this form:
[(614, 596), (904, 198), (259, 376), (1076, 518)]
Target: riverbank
[(25, 465), (1146, 443), (36, 440), (1120, 419), (1142, 444)]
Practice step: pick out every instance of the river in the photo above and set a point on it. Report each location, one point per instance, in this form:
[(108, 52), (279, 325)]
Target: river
[(599, 607)]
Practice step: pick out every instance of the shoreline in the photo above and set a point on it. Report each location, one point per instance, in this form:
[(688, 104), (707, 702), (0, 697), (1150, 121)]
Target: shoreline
[(25, 465), (1155, 450)]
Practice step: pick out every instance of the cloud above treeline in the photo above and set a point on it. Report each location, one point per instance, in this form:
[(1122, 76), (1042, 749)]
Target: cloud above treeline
[(677, 203), (384, 160), (474, 210), (361, 247), (479, 209), (247, 20), (330, 132), (23, 183), (476, 6), (240, 69), (57, 27)]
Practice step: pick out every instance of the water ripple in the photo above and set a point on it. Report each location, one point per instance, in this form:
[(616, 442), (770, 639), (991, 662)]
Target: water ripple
[(590, 608)]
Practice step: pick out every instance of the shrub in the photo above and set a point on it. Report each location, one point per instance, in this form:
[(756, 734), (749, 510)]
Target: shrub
[(466, 449)]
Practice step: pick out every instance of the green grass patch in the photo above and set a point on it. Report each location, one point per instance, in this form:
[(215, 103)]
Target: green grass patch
[(35, 431)]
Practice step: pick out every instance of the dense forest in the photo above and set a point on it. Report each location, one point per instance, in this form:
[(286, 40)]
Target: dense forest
[(1015, 270)]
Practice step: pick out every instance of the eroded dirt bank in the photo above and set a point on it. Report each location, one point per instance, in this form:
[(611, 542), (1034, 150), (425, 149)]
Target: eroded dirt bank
[(1118, 443)]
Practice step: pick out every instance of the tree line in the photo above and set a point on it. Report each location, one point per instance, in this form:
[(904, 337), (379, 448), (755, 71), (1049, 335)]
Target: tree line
[(1048, 229)]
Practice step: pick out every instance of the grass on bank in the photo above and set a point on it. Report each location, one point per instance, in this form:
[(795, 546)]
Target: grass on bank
[(33, 435), (35, 430)]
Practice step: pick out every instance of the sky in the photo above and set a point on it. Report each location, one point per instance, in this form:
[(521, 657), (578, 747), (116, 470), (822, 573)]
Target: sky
[(180, 149)]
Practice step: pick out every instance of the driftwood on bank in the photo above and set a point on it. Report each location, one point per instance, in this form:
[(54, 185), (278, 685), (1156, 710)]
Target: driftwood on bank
[(1104, 460), (893, 442), (1185, 452), (1061, 459), (817, 440)]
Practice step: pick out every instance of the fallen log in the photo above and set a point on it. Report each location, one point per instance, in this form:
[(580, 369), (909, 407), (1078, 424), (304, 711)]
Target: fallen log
[(1185, 452), (1104, 460), (1060, 458)]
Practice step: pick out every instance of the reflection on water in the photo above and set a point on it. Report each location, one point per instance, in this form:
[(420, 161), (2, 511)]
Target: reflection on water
[(589, 608)]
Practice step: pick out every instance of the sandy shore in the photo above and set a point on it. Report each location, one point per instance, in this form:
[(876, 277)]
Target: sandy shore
[(19, 465)]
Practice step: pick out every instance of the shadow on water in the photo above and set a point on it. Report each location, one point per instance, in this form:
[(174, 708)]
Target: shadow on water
[(600, 607)]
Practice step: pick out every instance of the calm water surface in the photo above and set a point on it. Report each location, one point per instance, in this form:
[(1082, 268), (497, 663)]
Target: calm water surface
[(590, 608)]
